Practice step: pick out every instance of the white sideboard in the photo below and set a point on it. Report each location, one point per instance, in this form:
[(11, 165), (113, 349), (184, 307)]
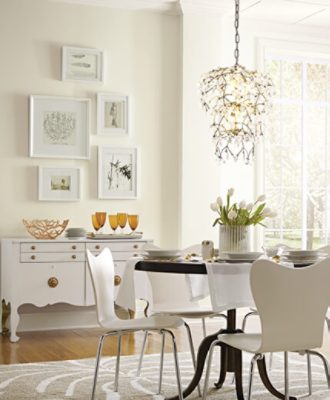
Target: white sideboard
[(42, 272)]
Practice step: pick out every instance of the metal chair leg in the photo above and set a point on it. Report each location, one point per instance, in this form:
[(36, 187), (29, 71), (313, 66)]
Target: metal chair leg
[(117, 363), (204, 327), (270, 365), (208, 368), (325, 363), (286, 376), (192, 351), (176, 362), (309, 374), (97, 363), (138, 372), (161, 365), (251, 376)]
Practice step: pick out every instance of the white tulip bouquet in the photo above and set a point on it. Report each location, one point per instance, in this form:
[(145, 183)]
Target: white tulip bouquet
[(241, 213)]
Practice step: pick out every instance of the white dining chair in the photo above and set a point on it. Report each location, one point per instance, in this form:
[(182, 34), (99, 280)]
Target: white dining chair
[(171, 296), (292, 304), (102, 274)]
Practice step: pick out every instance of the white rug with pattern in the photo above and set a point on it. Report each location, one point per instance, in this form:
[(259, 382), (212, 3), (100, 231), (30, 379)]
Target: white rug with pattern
[(73, 379)]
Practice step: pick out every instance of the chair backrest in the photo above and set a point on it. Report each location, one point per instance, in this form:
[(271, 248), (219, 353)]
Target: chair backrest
[(292, 304), (101, 268)]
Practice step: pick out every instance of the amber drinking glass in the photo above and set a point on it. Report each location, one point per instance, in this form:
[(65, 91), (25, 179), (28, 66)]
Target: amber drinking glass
[(133, 221), (101, 218), (122, 220), (113, 221), (95, 222)]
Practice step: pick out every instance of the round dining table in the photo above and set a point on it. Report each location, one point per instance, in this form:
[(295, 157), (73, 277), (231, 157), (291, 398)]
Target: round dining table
[(230, 358)]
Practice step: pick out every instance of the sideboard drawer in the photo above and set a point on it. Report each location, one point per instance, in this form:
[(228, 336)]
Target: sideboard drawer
[(130, 246), (44, 283), (33, 247), (52, 257)]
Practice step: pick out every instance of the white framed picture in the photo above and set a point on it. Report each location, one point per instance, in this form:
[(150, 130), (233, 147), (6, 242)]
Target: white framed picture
[(112, 114), (59, 127), (59, 184), (82, 64), (117, 172)]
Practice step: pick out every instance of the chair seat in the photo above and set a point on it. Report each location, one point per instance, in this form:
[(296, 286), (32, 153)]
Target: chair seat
[(250, 342), (187, 312), (149, 324)]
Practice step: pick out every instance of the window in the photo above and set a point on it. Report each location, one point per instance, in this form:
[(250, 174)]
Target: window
[(297, 150)]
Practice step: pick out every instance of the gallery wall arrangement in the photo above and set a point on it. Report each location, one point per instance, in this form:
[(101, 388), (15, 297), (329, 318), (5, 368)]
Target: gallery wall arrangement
[(60, 128)]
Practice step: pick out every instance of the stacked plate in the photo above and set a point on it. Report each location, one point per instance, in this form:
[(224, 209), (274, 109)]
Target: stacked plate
[(161, 254), (303, 257), (75, 233), (238, 257)]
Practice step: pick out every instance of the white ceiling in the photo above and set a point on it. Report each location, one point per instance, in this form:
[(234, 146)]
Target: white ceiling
[(302, 12)]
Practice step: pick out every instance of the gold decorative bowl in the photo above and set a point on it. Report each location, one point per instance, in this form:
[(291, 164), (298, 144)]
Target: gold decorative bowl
[(45, 228)]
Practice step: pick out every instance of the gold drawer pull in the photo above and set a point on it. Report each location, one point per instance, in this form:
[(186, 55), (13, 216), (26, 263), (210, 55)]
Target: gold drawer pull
[(117, 280), (52, 282), (74, 247), (33, 257), (135, 255), (33, 247), (97, 247), (136, 246), (73, 256)]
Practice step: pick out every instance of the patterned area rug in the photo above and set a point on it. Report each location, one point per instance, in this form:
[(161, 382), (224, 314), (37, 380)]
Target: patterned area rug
[(73, 379)]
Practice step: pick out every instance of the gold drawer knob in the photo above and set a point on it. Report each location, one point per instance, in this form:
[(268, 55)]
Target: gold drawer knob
[(33, 257), (52, 282), (117, 280), (136, 246), (74, 247), (97, 247), (33, 247), (73, 256)]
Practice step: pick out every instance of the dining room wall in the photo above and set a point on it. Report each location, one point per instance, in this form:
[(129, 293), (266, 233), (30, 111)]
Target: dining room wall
[(142, 51), (208, 43)]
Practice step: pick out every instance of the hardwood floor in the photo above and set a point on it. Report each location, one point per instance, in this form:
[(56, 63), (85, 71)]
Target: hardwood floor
[(82, 343)]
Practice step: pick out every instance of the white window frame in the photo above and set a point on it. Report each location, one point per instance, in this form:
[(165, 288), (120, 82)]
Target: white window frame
[(295, 51)]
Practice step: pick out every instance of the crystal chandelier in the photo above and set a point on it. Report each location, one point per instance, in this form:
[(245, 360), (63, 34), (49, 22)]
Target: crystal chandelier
[(236, 100)]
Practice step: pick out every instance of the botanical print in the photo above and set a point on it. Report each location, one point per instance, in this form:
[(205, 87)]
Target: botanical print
[(59, 127), (113, 114), (60, 182), (83, 65), (119, 172)]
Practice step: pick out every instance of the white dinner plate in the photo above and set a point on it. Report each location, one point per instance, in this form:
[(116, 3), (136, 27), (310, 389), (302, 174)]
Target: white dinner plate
[(305, 257), (234, 261), (250, 255), (161, 258), (302, 253), (156, 253)]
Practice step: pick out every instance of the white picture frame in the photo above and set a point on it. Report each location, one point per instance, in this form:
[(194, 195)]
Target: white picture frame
[(82, 64), (59, 127), (114, 166), (58, 184), (112, 114)]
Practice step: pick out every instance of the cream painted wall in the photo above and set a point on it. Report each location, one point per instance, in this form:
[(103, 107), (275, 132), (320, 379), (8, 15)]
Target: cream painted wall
[(142, 61), (208, 42)]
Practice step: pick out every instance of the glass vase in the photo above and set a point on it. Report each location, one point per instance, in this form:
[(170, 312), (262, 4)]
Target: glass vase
[(236, 238)]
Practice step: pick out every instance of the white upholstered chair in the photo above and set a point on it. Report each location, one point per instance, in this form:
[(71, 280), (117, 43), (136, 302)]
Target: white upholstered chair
[(102, 274), (292, 304)]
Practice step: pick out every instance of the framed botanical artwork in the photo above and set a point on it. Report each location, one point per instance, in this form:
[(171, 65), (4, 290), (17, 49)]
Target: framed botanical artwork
[(59, 127), (117, 172), (112, 114), (80, 64), (59, 184)]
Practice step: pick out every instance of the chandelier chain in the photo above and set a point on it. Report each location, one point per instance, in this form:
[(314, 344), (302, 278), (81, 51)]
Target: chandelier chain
[(237, 38)]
